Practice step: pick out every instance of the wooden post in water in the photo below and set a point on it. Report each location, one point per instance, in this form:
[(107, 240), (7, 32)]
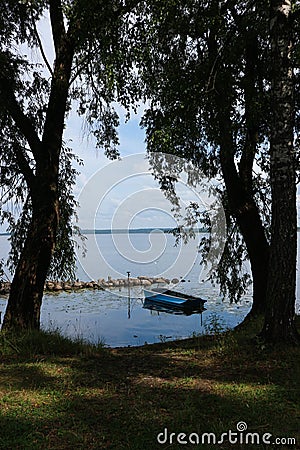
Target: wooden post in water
[(128, 279)]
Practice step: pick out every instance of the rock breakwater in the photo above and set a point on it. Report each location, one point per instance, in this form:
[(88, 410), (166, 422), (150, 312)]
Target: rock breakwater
[(100, 284)]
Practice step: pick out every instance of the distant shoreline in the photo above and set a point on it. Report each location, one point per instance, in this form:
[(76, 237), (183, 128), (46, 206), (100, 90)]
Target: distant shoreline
[(136, 231), (133, 231), (130, 231)]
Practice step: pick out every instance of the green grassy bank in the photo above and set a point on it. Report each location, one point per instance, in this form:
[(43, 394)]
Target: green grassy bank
[(55, 394)]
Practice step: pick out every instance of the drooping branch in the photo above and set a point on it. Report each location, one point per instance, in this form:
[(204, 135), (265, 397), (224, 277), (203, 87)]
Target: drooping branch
[(80, 67), (77, 25)]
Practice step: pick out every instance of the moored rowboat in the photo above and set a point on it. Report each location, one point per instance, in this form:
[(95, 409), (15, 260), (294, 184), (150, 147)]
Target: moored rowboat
[(173, 299)]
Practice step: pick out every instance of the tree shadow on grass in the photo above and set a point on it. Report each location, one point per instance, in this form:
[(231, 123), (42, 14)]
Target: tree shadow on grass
[(131, 419), (122, 398)]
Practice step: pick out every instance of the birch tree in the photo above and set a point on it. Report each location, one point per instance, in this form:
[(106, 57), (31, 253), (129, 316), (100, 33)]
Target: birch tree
[(279, 323)]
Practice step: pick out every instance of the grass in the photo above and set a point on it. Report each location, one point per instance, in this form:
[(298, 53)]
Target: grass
[(57, 394)]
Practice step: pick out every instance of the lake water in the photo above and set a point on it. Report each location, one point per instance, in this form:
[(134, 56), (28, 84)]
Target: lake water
[(109, 316)]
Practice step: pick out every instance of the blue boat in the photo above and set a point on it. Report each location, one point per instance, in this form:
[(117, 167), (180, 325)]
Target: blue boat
[(173, 299)]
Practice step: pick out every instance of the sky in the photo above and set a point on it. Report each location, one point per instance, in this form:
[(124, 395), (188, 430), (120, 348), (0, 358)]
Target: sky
[(123, 193), (102, 203)]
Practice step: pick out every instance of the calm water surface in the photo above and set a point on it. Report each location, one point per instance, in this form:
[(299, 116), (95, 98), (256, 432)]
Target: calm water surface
[(109, 317)]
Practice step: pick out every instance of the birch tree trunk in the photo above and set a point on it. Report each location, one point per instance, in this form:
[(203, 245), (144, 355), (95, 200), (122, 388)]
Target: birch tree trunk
[(279, 323)]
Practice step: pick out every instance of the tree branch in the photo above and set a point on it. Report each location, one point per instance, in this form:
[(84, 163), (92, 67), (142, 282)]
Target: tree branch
[(24, 165), (42, 49), (251, 111), (57, 23), (21, 120), (79, 69)]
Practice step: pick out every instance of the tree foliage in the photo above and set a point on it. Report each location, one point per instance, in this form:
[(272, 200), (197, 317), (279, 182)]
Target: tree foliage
[(209, 82)]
